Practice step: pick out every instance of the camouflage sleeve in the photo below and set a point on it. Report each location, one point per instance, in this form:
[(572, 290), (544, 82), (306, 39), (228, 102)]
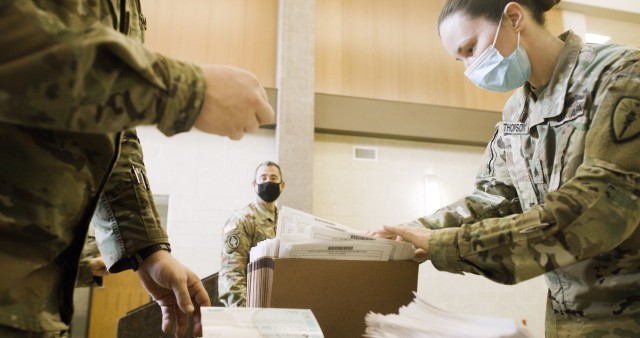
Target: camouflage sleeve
[(493, 195), (593, 213), (89, 251), (89, 79), (232, 278), (126, 219)]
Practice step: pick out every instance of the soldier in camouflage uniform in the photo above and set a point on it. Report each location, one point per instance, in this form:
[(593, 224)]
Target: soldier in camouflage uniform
[(74, 82), (558, 192), (244, 229)]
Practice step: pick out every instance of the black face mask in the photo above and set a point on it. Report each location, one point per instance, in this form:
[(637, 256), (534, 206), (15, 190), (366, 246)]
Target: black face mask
[(269, 191)]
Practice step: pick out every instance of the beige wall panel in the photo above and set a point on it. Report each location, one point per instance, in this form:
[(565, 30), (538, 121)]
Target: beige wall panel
[(390, 50), (381, 49), (328, 73), (242, 33)]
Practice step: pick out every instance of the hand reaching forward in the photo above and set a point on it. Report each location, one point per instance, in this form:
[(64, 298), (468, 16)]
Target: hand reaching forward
[(235, 102), (418, 236), (176, 289)]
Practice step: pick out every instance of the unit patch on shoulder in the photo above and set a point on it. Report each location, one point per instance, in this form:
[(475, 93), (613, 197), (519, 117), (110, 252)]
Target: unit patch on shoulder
[(233, 241), (625, 120)]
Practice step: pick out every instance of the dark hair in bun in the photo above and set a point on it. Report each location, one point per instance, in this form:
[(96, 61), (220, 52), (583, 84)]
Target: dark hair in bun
[(545, 5), (492, 9)]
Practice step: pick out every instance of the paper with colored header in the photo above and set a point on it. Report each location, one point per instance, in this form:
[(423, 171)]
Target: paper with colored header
[(295, 227), (224, 322), (346, 250)]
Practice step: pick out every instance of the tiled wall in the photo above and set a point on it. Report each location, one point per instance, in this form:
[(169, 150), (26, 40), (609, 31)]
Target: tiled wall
[(207, 177)]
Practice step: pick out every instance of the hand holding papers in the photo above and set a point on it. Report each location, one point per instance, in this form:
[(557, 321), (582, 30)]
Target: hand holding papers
[(421, 319)]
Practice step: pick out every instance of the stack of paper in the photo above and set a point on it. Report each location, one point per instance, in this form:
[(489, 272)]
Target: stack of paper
[(306, 236), (421, 319), (302, 235), (222, 322)]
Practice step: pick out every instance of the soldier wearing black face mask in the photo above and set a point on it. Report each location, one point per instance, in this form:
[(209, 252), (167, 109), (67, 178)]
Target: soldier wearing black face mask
[(244, 229)]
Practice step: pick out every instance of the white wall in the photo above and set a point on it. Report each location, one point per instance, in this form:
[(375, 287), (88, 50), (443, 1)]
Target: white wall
[(207, 177)]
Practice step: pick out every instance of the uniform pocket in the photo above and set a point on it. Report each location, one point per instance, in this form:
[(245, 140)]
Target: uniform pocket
[(148, 212)]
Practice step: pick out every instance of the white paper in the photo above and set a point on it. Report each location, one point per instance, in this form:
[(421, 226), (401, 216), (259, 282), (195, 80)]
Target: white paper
[(422, 319), (345, 250), (298, 223), (223, 322), (298, 226)]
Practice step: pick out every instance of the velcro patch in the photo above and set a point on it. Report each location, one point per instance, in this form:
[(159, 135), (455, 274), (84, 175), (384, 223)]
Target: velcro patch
[(625, 120), (233, 241)]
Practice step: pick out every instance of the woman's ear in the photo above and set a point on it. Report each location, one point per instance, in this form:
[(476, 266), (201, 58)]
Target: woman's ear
[(515, 16)]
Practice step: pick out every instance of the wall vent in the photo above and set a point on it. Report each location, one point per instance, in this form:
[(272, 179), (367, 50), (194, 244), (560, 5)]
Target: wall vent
[(365, 153)]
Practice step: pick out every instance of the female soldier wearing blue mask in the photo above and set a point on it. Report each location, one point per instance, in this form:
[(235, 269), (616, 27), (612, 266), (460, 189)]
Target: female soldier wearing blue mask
[(558, 192)]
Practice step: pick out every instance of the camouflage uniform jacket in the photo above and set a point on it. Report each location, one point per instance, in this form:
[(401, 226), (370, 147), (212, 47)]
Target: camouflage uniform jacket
[(243, 230), (558, 193), (72, 87)]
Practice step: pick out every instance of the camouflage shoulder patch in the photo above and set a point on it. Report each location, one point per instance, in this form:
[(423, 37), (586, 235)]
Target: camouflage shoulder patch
[(233, 241), (625, 120)]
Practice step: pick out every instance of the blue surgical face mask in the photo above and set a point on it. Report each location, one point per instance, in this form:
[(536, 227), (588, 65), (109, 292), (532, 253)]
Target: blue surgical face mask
[(494, 72)]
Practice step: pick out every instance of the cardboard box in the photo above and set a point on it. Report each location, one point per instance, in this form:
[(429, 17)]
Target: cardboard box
[(340, 293)]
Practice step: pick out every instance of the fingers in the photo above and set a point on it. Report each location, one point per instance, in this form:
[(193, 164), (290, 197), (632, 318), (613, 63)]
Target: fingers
[(390, 231), (167, 318), (264, 112), (381, 233), (197, 321), (200, 297), (182, 297), (421, 255), (400, 233), (181, 320), (251, 125), (182, 323), (236, 135)]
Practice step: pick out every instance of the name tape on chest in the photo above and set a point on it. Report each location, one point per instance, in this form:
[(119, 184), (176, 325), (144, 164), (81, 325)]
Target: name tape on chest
[(513, 128)]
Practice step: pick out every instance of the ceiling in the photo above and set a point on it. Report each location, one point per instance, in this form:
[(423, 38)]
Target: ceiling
[(619, 19)]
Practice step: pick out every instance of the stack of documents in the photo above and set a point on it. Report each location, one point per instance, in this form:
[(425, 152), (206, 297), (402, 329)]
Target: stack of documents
[(222, 322), (302, 235), (421, 319)]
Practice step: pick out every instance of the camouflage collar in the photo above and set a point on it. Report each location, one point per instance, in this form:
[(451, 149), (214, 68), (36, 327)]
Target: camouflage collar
[(554, 95), (265, 214)]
